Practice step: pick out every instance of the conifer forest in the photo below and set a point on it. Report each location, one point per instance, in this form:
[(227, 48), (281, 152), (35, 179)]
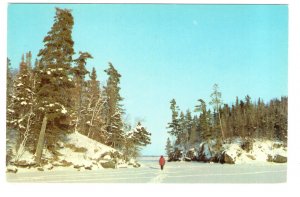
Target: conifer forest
[(55, 92), (221, 123)]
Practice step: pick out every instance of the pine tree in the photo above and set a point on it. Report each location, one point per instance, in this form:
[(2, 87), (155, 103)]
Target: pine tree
[(136, 139), (195, 132), (140, 136), (168, 147), (94, 114), (54, 90), (216, 102), (203, 125), (79, 73), (188, 124), (174, 125), (113, 108), (22, 106), (9, 90), (28, 60)]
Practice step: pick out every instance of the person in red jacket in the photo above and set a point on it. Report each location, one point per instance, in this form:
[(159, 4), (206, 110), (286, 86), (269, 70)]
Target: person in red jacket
[(162, 162)]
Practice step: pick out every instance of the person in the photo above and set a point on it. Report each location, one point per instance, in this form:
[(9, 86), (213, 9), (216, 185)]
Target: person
[(162, 162)]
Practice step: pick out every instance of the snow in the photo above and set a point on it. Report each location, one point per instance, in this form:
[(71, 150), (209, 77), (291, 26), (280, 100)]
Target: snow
[(75, 152), (259, 153), (23, 103), (174, 172), (48, 72), (28, 157), (64, 111)]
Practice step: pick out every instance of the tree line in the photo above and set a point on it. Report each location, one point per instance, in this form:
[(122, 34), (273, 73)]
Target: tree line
[(60, 91), (244, 119)]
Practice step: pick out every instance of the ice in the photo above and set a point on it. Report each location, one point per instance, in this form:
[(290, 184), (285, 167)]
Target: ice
[(174, 172)]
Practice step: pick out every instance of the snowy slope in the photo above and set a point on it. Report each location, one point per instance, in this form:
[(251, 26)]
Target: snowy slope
[(76, 151), (260, 151)]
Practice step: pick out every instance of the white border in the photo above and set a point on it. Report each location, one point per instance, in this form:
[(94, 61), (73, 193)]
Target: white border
[(284, 189)]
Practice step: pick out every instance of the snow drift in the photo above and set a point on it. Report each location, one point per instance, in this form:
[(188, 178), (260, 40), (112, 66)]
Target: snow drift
[(235, 151), (75, 151)]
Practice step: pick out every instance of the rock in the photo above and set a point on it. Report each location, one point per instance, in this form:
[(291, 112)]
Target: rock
[(222, 158), (192, 155), (107, 157), (12, 169), (279, 159), (40, 169), (204, 153), (137, 165), (187, 159), (88, 167), (24, 163), (247, 145), (250, 156), (109, 164), (228, 159), (66, 163), (175, 155), (77, 166), (213, 159), (270, 158), (277, 145)]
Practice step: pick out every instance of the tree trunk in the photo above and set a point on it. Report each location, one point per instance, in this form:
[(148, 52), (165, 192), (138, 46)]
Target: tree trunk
[(40, 145)]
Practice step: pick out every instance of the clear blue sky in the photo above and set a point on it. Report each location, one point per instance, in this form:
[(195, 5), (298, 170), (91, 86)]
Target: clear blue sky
[(169, 51)]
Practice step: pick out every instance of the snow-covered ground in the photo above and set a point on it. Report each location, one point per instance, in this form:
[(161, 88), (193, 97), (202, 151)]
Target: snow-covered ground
[(174, 172)]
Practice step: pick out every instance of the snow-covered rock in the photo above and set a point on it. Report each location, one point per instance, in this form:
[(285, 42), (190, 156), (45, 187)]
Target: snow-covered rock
[(260, 151), (176, 155), (12, 169), (75, 151), (236, 151), (191, 155)]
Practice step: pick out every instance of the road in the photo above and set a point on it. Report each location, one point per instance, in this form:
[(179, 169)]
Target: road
[(174, 172)]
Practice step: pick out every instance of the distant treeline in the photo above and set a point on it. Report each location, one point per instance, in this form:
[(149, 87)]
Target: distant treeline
[(245, 119)]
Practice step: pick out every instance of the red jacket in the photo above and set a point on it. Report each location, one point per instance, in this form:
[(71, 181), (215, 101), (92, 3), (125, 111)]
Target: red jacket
[(162, 161)]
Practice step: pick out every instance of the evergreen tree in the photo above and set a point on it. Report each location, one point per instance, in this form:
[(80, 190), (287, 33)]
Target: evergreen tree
[(9, 90), (79, 73), (54, 90), (195, 132), (23, 101), (136, 139), (113, 108), (189, 124), (203, 125), (174, 125), (169, 147), (216, 102), (94, 114)]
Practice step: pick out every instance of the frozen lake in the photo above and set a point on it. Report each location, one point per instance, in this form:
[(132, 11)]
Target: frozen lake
[(174, 172)]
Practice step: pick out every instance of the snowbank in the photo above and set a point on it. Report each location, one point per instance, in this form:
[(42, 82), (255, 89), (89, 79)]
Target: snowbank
[(235, 151), (259, 151), (75, 151)]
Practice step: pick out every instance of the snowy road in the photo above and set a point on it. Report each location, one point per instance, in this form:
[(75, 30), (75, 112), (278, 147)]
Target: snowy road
[(174, 172)]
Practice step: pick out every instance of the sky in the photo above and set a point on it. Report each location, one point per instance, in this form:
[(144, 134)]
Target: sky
[(166, 51)]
